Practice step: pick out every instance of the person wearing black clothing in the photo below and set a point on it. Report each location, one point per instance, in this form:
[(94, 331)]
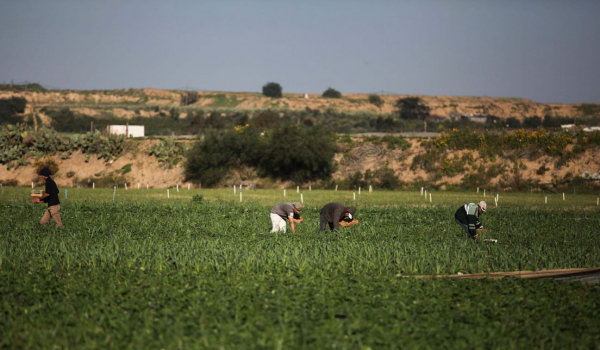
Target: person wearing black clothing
[(335, 214), (467, 216), (50, 196)]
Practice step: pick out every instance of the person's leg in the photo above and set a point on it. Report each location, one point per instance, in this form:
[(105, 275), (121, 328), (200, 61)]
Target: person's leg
[(55, 213), (464, 227), (275, 219), (322, 222), (46, 217), (282, 225)]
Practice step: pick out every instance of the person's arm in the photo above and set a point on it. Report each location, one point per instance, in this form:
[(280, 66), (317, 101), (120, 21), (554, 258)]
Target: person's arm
[(291, 220)]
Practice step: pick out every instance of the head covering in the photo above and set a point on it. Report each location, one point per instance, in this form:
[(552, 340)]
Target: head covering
[(45, 172), (350, 211), (483, 206), (297, 205)]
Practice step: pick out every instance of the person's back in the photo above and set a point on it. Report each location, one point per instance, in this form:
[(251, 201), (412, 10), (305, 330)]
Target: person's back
[(52, 190), (332, 214), (467, 216)]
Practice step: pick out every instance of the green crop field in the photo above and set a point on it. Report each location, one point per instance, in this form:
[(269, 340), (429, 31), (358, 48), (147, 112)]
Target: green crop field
[(189, 269)]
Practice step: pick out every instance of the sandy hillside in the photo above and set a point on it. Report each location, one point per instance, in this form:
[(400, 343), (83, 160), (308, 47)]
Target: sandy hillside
[(147, 103), (147, 171)]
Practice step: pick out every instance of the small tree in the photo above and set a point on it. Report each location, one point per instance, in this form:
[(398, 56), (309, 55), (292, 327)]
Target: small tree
[(299, 153), (532, 123), (272, 90), (332, 93), (376, 100), (412, 108), (266, 120), (189, 98)]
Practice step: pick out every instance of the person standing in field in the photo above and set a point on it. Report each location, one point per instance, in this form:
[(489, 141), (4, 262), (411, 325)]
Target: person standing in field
[(50, 196), (467, 216), (336, 215), (283, 212)]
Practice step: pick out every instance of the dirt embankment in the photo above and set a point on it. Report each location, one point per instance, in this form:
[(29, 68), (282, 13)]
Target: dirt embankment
[(145, 170)]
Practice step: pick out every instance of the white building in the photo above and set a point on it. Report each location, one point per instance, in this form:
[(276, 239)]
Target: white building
[(127, 130)]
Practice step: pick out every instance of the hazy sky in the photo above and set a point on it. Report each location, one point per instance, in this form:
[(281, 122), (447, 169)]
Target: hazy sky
[(544, 50)]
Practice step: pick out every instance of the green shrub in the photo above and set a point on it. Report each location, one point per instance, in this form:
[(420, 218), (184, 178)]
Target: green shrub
[(10, 107), (386, 178), (46, 163), (189, 98), (412, 108), (211, 159), (332, 93), (299, 153), (376, 100), (272, 90)]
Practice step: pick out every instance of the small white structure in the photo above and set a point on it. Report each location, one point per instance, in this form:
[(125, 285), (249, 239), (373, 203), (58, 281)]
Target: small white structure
[(127, 130), (306, 96), (567, 127), (592, 129), (476, 118)]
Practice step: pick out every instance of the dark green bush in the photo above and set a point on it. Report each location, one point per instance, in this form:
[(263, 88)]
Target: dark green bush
[(189, 98), (412, 108), (211, 159), (299, 153), (272, 90), (376, 100), (332, 93), (9, 108)]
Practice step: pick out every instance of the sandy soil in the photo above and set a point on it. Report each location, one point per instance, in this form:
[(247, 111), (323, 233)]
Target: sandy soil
[(147, 171)]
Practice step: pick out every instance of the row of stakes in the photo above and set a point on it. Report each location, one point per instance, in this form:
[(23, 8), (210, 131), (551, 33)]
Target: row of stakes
[(423, 192), (298, 191)]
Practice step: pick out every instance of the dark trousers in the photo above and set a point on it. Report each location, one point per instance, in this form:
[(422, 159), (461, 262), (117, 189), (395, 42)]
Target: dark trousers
[(465, 227), (324, 223)]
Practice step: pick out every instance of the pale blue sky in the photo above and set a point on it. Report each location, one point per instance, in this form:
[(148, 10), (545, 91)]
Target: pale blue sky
[(544, 50)]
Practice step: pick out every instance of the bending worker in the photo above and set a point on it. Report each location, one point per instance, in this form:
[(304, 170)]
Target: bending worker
[(335, 214), (283, 212), (467, 217)]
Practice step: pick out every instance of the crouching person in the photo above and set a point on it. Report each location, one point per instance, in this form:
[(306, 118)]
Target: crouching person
[(467, 217), (335, 215), (283, 212), (50, 196)]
